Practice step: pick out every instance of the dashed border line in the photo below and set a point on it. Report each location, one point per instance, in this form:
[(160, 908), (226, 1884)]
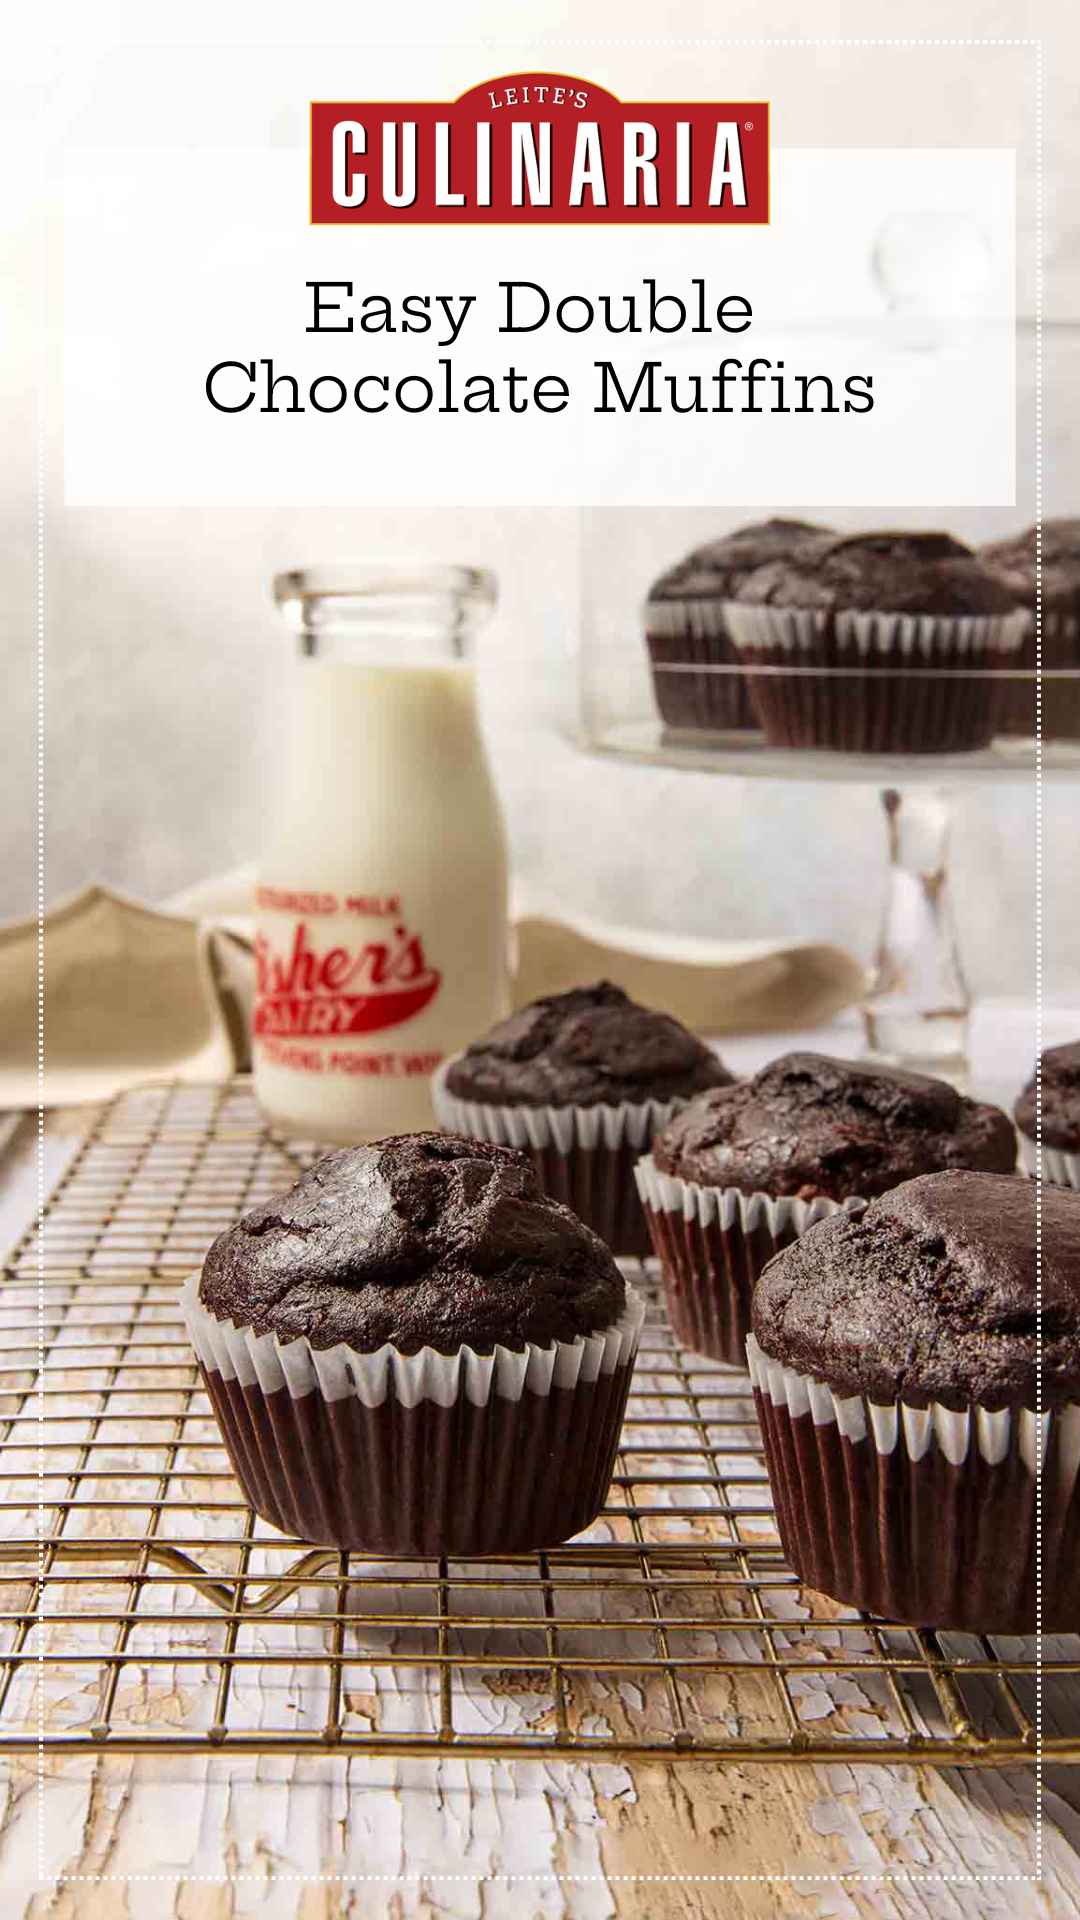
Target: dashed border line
[(900, 1876)]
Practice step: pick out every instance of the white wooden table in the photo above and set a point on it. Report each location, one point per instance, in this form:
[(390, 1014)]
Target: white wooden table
[(138, 1837)]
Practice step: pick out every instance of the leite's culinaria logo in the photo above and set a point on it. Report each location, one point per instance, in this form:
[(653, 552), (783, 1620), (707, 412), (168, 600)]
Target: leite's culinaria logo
[(334, 990), (543, 148)]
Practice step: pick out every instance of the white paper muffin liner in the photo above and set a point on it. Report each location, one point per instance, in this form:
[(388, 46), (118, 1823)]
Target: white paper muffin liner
[(712, 1243), (924, 1515), (419, 1454), (994, 1432), (1061, 1169), (695, 671), (584, 1156), (870, 639), (338, 1372), (672, 619), (1015, 713), (629, 1124), (874, 682)]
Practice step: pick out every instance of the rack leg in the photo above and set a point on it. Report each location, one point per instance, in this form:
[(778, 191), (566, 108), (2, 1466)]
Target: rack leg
[(918, 1004)]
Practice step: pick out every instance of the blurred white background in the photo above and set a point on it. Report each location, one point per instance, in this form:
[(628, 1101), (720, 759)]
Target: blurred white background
[(163, 652)]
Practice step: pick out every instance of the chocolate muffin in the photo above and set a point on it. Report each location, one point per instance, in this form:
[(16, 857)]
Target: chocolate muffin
[(888, 639), (416, 1351), (1060, 1076), (1013, 563), (895, 1365), (686, 634), (743, 1170), (581, 1080)]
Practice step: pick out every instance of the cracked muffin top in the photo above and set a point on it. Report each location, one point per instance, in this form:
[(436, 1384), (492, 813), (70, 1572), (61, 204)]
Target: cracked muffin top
[(1060, 1074), (809, 1125), (1015, 562), (930, 1294), (421, 1240), (593, 1046), (713, 571), (913, 573)]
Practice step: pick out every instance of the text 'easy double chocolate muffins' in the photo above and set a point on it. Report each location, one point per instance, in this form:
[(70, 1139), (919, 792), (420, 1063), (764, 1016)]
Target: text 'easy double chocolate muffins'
[(1015, 563), (695, 674), (1060, 1076), (744, 1170), (895, 1363), (417, 1352), (876, 643), (580, 1081)]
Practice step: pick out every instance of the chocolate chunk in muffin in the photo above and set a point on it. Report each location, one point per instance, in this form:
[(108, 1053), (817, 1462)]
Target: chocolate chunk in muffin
[(420, 1240), (592, 1046), (1060, 1073), (809, 1125), (716, 569), (931, 1295), (919, 573)]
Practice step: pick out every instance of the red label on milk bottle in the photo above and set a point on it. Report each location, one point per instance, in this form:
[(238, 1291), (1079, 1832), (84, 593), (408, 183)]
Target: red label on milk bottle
[(309, 989)]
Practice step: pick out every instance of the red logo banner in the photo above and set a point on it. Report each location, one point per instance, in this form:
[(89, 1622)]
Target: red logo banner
[(541, 148)]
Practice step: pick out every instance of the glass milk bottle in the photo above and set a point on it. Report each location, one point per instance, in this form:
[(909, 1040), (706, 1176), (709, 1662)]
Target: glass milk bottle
[(381, 941)]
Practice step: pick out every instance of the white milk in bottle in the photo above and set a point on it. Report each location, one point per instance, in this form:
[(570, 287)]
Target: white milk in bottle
[(381, 941)]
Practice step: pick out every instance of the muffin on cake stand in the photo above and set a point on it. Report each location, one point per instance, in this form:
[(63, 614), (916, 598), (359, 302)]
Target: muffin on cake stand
[(917, 1002)]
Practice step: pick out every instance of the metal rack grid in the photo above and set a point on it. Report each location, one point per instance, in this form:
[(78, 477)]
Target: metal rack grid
[(154, 1611)]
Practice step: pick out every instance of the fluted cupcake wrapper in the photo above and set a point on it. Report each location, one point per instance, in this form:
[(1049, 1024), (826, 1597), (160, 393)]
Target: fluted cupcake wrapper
[(712, 1243), (584, 1156), (1015, 713), (417, 1455), (687, 641), (923, 1515), (1061, 1169), (886, 682)]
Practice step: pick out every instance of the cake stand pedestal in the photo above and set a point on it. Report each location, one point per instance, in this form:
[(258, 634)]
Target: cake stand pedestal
[(917, 1003)]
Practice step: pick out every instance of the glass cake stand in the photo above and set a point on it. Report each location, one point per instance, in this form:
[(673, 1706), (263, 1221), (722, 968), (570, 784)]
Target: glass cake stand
[(917, 1004)]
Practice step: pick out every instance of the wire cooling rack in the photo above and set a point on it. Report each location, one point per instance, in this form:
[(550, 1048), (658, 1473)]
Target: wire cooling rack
[(144, 1607)]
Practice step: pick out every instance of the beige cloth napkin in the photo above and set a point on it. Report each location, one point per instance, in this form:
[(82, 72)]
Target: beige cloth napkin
[(136, 993), (131, 994), (713, 986)]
